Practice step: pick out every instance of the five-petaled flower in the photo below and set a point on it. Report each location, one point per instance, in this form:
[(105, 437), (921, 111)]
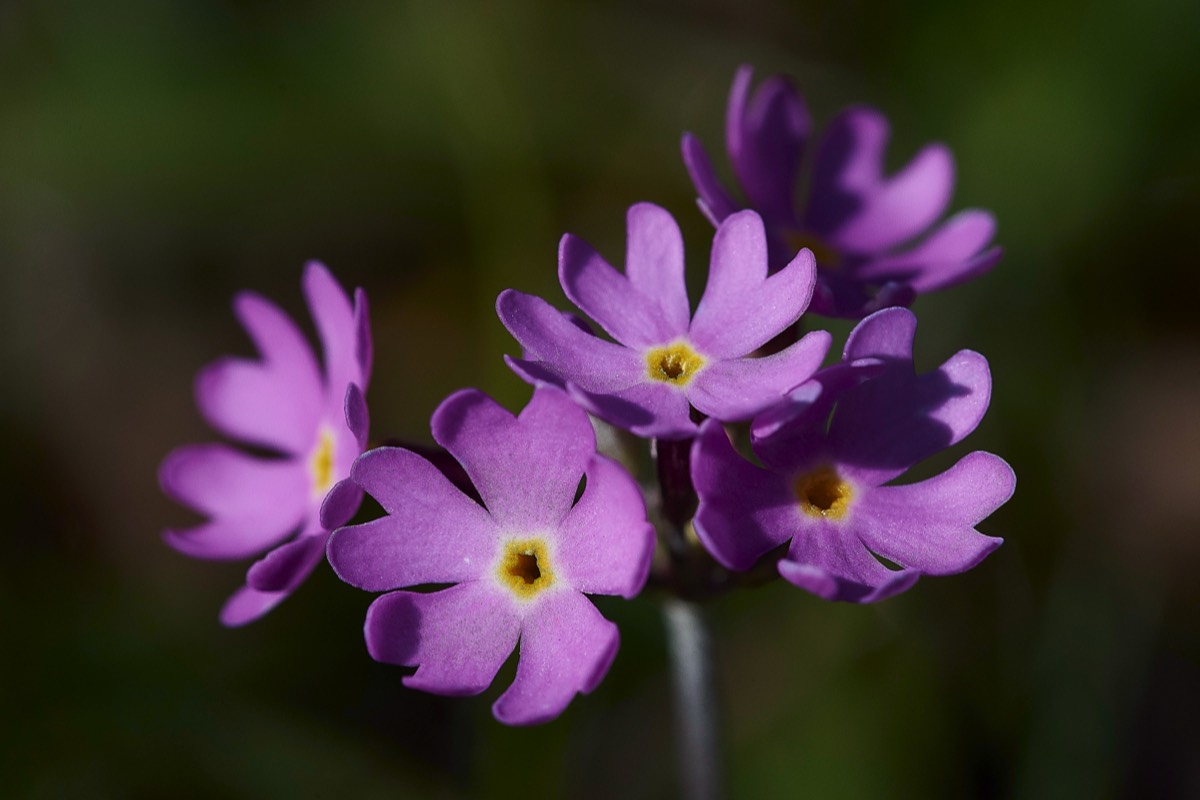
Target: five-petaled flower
[(831, 454), (859, 223), (667, 361), (520, 562), (317, 423)]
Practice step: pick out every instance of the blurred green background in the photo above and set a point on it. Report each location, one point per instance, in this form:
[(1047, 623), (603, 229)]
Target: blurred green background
[(158, 156)]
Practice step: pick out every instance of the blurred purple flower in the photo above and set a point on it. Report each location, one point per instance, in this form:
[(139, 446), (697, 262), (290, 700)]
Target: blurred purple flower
[(520, 562), (830, 450), (860, 224), (317, 422), (665, 360)]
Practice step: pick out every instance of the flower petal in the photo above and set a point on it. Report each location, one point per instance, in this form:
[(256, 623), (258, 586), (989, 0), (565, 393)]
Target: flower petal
[(457, 638), (744, 511), (646, 408), (742, 308), (340, 504), (337, 329), (886, 335), (644, 307), (433, 533), (716, 202), (829, 561), (364, 349), (953, 253), (248, 604), (343, 499), (650, 410), (605, 543), (275, 402), (254, 503), (786, 434), (854, 206), (737, 389), (566, 648), (930, 526), (885, 425), (791, 435), (578, 357), (766, 142), (286, 567), (655, 267), (526, 468)]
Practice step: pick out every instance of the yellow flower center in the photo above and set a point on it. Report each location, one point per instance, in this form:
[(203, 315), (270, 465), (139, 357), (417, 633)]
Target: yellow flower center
[(827, 257), (525, 567), (823, 493), (676, 363), (320, 465)]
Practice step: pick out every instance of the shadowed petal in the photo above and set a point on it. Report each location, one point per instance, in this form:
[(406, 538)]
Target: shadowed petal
[(247, 605), (715, 201), (566, 648), (886, 335), (650, 410), (342, 500), (787, 434), (457, 638), (288, 565), (854, 206), (830, 562), (357, 418), (791, 434), (737, 389), (953, 253), (432, 534), (340, 504), (254, 502), (646, 408), (526, 468), (766, 142), (742, 308), (275, 402), (744, 511), (843, 294), (887, 424), (605, 543), (930, 526)]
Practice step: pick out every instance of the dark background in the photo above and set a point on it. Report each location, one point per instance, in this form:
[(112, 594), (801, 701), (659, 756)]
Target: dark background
[(156, 157)]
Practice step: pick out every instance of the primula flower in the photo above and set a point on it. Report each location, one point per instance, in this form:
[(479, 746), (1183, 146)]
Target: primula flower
[(317, 423), (520, 562), (860, 223), (831, 453), (666, 360)]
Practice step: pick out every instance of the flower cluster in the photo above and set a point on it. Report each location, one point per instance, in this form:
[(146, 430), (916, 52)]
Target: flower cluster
[(494, 541)]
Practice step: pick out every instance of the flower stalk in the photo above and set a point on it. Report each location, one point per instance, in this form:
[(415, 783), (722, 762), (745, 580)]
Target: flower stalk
[(694, 693)]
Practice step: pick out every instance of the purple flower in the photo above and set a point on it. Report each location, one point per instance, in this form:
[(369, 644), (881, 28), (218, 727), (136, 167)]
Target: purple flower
[(316, 422), (666, 360), (831, 453), (520, 562), (860, 223)]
